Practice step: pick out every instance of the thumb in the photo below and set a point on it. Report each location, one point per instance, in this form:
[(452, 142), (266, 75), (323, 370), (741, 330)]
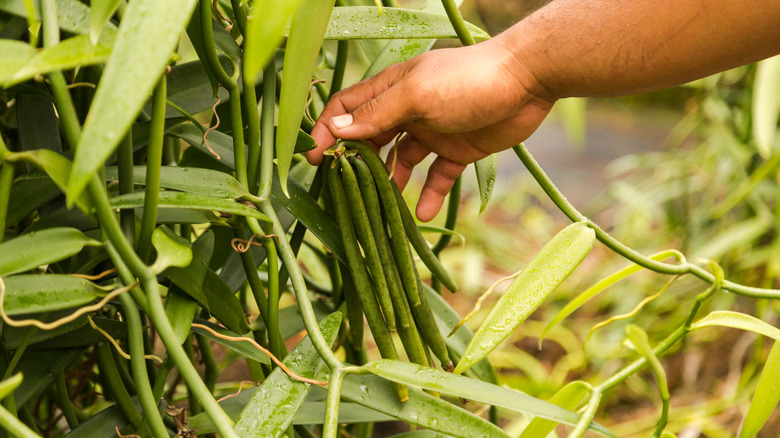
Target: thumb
[(376, 116)]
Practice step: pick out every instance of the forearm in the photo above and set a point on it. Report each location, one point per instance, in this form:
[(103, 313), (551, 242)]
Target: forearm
[(617, 47)]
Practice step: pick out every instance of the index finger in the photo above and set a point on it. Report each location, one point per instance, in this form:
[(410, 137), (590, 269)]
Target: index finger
[(346, 101)]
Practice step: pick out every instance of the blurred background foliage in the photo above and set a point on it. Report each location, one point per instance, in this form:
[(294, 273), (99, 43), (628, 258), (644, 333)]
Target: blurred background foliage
[(676, 168)]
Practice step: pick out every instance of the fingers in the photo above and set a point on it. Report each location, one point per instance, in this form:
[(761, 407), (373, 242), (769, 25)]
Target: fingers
[(371, 109), (441, 177), (406, 154)]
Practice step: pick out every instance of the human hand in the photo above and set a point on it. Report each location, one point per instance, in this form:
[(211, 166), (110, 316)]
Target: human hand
[(461, 104)]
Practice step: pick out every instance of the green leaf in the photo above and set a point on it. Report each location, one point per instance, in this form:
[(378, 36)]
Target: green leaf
[(272, 408), (72, 15), (486, 169), (362, 22), (128, 79), (15, 55), (421, 409), (548, 269), (446, 319), (45, 293), (172, 249), (570, 397), (188, 200), (73, 52), (55, 165), (100, 12), (243, 348), (404, 50), (599, 287), (28, 251), (82, 336), (310, 413), (27, 194), (189, 179), (638, 339), (306, 209), (191, 277), (726, 318), (39, 369), (766, 105), (223, 304), (8, 385), (303, 46), (464, 387), (265, 24), (766, 397)]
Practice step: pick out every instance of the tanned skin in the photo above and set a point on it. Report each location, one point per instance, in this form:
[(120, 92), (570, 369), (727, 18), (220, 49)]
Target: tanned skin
[(466, 103)]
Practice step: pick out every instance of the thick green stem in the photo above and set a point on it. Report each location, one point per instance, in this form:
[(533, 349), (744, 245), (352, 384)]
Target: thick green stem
[(275, 339), (153, 164), (111, 378), (192, 399), (239, 149), (663, 268), (125, 167), (342, 56), (457, 22), (63, 400), (267, 144), (240, 13), (138, 367), (155, 309), (331, 425), (210, 48), (453, 204), (299, 288), (587, 417), (212, 370), (252, 133), (6, 181)]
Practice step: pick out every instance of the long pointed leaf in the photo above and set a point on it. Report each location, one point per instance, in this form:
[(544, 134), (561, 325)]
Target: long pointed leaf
[(303, 45), (73, 52), (727, 318), (44, 293), (361, 22), (272, 408), (127, 81), (265, 24), (28, 251), (766, 105), (459, 386), (188, 200), (486, 169), (766, 397)]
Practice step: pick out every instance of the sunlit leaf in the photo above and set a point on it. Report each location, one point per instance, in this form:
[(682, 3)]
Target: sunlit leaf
[(359, 22), (300, 57), (100, 12), (464, 387), (597, 288), (570, 397), (766, 105), (31, 250), (403, 50), (15, 55), (272, 408), (727, 318), (127, 81), (766, 396), (548, 269), (73, 52), (265, 24), (72, 15), (486, 169)]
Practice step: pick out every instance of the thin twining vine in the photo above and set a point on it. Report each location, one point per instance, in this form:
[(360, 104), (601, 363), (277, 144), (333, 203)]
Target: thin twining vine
[(64, 320), (615, 245), (116, 344), (641, 362), (265, 351)]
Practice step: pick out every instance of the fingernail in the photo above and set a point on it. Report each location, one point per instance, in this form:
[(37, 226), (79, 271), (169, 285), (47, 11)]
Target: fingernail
[(342, 121)]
